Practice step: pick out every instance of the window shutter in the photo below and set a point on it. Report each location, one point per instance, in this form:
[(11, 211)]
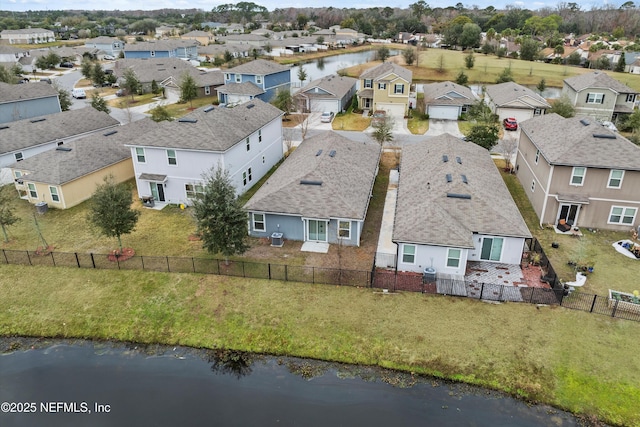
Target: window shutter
[(587, 100), (602, 100)]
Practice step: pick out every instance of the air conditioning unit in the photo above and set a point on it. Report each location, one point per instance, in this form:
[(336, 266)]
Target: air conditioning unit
[(19, 181), (277, 240)]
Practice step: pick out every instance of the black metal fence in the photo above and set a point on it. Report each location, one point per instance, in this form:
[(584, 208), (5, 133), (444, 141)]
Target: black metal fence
[(167, 264)]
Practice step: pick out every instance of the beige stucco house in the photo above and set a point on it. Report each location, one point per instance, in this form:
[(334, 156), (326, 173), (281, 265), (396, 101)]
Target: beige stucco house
[(203, 37), (385, 87), (579, 171)]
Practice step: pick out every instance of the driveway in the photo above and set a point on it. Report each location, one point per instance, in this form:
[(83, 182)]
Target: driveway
[(438, 127)]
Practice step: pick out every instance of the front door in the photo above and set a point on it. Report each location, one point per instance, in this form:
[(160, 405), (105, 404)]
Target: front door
[(569, 212), (317, 230), (157, 191)]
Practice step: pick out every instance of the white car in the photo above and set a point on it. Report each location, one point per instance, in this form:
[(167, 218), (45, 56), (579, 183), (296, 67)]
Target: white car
[(109, 57), (326, 117)]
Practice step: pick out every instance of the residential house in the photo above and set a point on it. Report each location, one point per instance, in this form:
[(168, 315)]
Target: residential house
[(254, 40), (513, 100), (385, 87), (203, 38), (108, 45), (580, 171), (453, 207), (183, 49), (245, 140), (68, 175), (11, 55), (166, 31), (632, 62), (28, 36), (447, 100), (254, 79), (600, 96), (25, 138), (330, 93), (19, 102), (320, 193)]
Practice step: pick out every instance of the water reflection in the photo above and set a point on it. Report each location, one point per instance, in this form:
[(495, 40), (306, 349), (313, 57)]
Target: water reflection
[(230, 362)]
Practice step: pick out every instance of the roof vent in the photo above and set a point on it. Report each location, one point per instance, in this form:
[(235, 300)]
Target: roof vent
[(318, 153), (209, 108), (62, 148), (41, 119), (585, 122), (110, 133), (604, 135), (310, 182), (250, 106), (459, 160), (4, 127), (464, 178), (187, 120), (449, 178), (332, 153), (445, 158), (459, 196)]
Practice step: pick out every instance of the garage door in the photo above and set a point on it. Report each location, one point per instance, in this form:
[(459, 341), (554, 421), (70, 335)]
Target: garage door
[(443, 112), (395, 110), (519, 114), (321, 105)]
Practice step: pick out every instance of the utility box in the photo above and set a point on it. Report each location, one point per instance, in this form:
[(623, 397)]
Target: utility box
[(429, 275), (42, 207), (277, 240), (148, 201)]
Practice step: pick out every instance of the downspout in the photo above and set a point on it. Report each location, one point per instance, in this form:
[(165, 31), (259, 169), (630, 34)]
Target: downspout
[(546, 195)]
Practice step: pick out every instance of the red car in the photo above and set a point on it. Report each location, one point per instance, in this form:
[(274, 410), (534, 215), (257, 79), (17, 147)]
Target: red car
[(510, 123)]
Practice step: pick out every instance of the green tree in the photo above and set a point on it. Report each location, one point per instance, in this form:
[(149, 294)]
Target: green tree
[(529, 49), (574, 59), (222, 222), (441, 69), (469, 60), (320, 40), (302, 74), (501, 52), (110, 210), (6, 76), (488, 48), (228, 56), (131, 82), (382, 130), (462, 79), (409, 55), (86, 68), (383, 53), (63, 96), (563, 107), (485, 135), (52, 59), (188, 89), (470, 36), (505, 76), (622, 64), (284, 101), (155, 89), (42, 63), (161, 113), (7, 211), (542, 85), (97, 74), (99, 103), (481, 113)]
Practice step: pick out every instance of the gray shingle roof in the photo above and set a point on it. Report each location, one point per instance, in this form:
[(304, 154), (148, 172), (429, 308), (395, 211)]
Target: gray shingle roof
[(26, 31), (386, 68), (244, 37), (597, 79), (505, 93), (87, 155), (334, 84), (347, 180), (103, 40), (437, 93), (244, 88), (424, 213), (216, 130), (197, 33), (159, 69), (11, 93), (32, 132), (568, 142), (160, 45), (258, 66)]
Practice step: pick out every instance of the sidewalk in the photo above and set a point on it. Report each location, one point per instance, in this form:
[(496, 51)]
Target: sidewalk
[(386, 251)]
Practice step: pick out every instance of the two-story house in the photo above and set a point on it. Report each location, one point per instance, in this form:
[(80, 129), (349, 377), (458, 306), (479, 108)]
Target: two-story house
[(19, 102), (28, 36), (579, 171), (254, 79), (183, 49), (109, 45), (513, 100), (204, 38), (385, 87), (10, 55), (245, 140), (600, 96)]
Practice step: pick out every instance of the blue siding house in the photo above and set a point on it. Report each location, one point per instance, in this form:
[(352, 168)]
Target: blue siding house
[(255, 79), (319, 194), (109, 45), (18, 102), (183, 49)]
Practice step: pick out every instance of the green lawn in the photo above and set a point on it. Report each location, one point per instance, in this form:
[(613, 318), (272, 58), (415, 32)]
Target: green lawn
[(350, 121), (182, 109), (582, 362)]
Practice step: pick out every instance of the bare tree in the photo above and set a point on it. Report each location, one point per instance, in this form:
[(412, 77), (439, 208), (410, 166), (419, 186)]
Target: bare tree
[(508, 146), (302, 121)]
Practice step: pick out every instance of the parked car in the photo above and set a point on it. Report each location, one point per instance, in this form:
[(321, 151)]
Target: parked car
[(109, 57), (121, 92), (510, 123), (379, 117), (327, 117), (79, 93), (23, 80), (66, 65)]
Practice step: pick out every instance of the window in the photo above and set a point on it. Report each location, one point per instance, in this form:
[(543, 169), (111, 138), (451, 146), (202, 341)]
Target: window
[(153, 53), (19, 157), (18, 174), (227, 76), (453, 257), (577, 176), (207, 90), (54, 194), (464, 109), (249, 173), (248, 145), (537, 156), (194, 191), (171, 157), (382, 86), (263, 159), (259, 80), (238, 78), (533, 186), (595, 98), (409, 254), (398, 88), (491, 248), (259, 135), (621, 215), (344, 229), (244, 178), (615, 178), (631, 97), (537, 111), (32, 191), (259, 222), (140, 154), (368, 83)]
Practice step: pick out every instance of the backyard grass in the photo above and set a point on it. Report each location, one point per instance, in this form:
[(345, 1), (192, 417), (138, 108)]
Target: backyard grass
[(417, 126), (350, 121), (178, 110), (585, 363), (138, 100)]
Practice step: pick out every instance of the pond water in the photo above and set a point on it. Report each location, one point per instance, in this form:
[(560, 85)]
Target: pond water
[(84, 383)]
